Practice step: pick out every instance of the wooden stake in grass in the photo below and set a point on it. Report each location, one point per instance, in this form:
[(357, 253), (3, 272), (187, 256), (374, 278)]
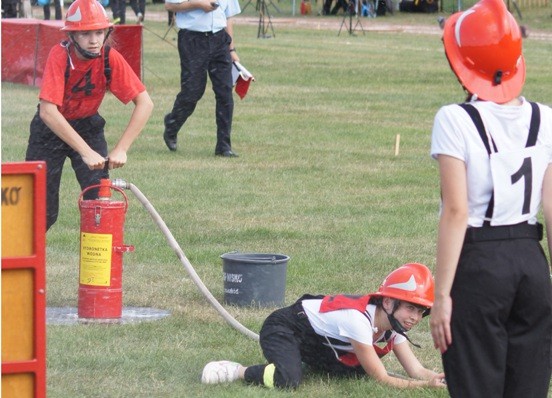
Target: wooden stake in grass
[(397, 144)]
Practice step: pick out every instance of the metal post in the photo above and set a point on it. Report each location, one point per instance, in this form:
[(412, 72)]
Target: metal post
[(26, 10)]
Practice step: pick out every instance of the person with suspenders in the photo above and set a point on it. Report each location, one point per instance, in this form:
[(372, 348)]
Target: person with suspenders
[(492, 316), (342, 335), (77, 74)]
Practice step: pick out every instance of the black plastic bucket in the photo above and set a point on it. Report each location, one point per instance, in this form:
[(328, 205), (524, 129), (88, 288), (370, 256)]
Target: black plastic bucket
[(254, 279)]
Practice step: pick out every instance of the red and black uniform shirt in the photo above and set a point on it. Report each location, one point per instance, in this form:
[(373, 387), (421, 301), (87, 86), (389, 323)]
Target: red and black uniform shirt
[(80, 94)]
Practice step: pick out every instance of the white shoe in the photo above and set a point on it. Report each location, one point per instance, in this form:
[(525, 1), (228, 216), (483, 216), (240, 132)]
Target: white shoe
[(220, 372)]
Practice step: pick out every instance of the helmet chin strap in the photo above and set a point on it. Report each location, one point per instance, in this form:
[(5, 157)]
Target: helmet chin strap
[(89, 54), (396, 325)]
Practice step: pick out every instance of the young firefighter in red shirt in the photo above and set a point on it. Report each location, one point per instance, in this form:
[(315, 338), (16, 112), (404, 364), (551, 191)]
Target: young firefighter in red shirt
[(342, 336), (77, 74)]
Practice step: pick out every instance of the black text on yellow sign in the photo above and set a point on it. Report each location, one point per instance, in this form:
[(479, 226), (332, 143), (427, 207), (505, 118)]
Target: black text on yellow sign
[(95, 259)]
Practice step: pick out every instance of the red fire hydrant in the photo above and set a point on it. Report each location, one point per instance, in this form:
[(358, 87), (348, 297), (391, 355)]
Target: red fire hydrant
[(101, 254)]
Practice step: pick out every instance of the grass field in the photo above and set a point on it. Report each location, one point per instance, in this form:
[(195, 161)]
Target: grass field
[(317, 179)]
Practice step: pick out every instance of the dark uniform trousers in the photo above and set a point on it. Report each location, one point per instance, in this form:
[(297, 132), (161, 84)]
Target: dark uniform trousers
[(502, 318), (203, 53), (288, 340), (45, 145)]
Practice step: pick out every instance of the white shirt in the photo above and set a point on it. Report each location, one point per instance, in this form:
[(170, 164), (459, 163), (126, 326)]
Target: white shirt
[(344, 324), (201, 21), (454, 134)]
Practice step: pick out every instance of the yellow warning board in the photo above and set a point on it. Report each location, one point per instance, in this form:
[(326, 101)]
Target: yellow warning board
[(19, 385), (17, 215), (23, 280), (17, 314)]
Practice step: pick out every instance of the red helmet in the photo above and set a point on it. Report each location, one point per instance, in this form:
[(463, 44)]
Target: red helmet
[(483, 46), (86, 15), (410, 282)]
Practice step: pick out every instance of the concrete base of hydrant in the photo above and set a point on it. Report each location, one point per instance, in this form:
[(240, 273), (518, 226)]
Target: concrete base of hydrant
[(69, 316)]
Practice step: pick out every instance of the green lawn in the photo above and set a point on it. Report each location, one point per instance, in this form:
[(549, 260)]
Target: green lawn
[(317, 179)]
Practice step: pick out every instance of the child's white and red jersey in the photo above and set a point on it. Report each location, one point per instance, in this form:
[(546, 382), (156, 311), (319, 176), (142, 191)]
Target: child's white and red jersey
[(342, 318)]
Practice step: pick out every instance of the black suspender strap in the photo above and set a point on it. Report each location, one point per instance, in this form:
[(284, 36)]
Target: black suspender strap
[(65, 44), (107, 68), (476, 118), (67, 70), (534, 126)]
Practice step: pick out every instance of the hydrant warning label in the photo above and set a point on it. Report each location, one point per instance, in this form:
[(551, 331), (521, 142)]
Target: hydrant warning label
[(95, 259)]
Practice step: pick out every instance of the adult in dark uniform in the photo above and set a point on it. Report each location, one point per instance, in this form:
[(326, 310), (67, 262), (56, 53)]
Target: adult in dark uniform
[(492, 317), (9, 8), (57, 10), (342, 336), (139, 8), (206, 48)]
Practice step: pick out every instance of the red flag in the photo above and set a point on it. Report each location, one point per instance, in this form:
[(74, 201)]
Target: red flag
[(242, 79), (242, 85)]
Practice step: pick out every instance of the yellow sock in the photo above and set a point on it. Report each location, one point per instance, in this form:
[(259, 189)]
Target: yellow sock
[(268, 375)]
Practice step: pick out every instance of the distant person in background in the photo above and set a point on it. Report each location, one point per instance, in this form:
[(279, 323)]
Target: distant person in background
[(342, 4), (9, 8), (118, 8), (326, 7), (328, 10), (139, 8), (57, 8)]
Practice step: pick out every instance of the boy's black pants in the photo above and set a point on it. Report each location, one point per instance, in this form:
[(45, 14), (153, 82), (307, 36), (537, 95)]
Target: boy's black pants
[(45, 145)]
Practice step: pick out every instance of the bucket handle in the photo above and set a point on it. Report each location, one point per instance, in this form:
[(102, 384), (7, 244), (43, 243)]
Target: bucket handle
[(272, 259), (98, 186)]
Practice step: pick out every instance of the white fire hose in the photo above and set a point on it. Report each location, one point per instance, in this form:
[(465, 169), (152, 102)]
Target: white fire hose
[(119, 183)]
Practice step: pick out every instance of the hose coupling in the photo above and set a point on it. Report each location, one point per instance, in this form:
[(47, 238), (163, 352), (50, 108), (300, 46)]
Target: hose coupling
[(120, 183)]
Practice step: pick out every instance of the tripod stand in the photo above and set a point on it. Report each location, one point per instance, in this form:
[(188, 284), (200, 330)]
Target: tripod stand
[(264, 24), (351, 10), (171, 24), (257, 6)]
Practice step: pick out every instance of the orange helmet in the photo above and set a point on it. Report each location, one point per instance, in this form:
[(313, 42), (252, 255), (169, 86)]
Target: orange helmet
[(410, 282), (483, 46), (86, 15)]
